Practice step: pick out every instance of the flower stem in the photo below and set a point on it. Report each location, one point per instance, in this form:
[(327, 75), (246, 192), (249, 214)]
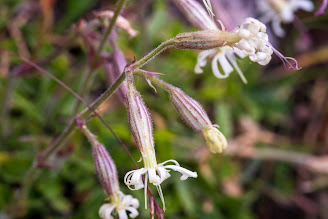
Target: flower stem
[(87, 76), (70, 129), (162, 47)]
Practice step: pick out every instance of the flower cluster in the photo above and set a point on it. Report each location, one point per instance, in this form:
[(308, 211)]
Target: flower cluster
[(254, 41)]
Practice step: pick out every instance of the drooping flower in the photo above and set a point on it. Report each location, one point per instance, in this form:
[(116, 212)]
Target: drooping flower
[(255, 44), (251, 34), (141, 128), (281, 11), (196, 117), (107, 175), (224, 55)]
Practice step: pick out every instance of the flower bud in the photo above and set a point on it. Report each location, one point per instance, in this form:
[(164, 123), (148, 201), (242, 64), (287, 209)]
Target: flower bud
[(106, 169), (195, 116), (196, 14), (215, 140)]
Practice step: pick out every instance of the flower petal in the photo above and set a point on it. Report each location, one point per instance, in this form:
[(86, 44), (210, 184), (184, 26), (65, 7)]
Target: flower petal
[(134, 213), (153, 178), (105, 211), (201, 60), (134, 178), (185, 173), (122, 214)]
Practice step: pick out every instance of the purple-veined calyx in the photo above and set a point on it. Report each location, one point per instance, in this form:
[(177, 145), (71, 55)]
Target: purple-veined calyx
[(196, 117), (142, 130), (107, 175)]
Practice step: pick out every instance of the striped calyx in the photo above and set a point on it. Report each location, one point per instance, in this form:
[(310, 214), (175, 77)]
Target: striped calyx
[(190, 110), (196, 14), (195, 116), (106, 170), (140, 124)]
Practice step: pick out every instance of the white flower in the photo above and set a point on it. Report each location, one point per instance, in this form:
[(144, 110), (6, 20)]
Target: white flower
[(121, 203), (141, 127), (251, 41), (225, 56), (281, 11), (156, 174), (254, 43)]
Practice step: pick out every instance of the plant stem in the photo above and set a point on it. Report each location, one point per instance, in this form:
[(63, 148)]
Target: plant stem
[(82, 90), (110, 27), (70, 129), (6, 106), (163, 46), (87, 76)]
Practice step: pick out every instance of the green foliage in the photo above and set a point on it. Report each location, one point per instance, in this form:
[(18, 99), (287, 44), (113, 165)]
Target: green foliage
[(40, 109)]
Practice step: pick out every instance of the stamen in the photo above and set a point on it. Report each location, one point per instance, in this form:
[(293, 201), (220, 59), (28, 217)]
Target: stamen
[(159, 190), (285, 60), (145, 190), (240, 73)]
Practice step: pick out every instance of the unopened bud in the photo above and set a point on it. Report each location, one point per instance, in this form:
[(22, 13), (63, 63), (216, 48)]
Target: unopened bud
[(196, 14), (196, 117), (215, 140), (106, 169), (205, 39)]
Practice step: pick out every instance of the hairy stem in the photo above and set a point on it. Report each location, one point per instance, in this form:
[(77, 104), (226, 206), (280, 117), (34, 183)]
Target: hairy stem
[(70, 129), (162, 47)]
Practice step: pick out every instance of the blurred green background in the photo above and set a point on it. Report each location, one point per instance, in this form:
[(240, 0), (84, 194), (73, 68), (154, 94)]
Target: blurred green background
[(277, 124)]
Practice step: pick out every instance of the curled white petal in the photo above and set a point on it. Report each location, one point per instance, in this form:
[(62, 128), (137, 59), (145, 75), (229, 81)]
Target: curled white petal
[(106, 210), (156, 176), (201, 60), (133, 212), (125, 203), (122, 214), (227, 68), (134, 178), (176, 167)]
